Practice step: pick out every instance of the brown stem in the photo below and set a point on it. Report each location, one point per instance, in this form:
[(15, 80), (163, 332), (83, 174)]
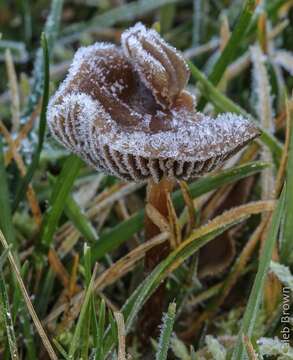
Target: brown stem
[(153, 309)]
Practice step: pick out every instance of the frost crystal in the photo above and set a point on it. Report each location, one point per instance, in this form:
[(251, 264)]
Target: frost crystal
[(125, 111), (285, 59), (273, 347), (161, 67)]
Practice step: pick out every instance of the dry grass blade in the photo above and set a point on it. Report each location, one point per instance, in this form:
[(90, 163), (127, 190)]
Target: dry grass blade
[(93, 249), (243, 62), (237, 270), (234, 215), (72, 286), (242, 261), (115, 272), (175, 229), (68, 235), (58, 268), (284, 159), (249, 348), (264, 109), (157, 218), (28, 302), (190, 206), (110, 196), (228, 216), (26, 128), (224, 32), (125, 264), (237, 67), (262, 32), (14, 91), (201, 49), (214, 202), (31, 196), (121, 335), (285, 59)]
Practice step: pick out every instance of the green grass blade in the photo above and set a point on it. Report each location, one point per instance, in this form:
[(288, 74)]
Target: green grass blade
[(17, 48), (172, 262), (271, 9), (7, 316), (230, 50), (60, 349), (85, 331), (254, 301), (198, 16), (21, 190), (76, 340), (79, 220), (77, 217), (18, 304), (87, 263), (27, 22), (143, 292), (90, 313), (51, 30), (222, 102), (20, 314), (113, 328), (3, 257), (101, 329), (125, 12), (123, 231), (287, 243), (43, 297), (166, 332), (59, 196), (5, 212), (166, 16)]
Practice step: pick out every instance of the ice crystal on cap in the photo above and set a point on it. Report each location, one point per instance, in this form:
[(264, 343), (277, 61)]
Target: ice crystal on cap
[(125, 111), (159, 65)]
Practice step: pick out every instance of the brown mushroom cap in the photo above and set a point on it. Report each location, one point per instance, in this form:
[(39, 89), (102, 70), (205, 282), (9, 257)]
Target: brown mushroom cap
[(123, 120)]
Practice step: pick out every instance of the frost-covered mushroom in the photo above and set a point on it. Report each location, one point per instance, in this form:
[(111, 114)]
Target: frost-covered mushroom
[(125, 111)]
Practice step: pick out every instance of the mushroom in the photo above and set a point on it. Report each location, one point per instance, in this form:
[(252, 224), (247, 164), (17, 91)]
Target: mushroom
[(126, 112)]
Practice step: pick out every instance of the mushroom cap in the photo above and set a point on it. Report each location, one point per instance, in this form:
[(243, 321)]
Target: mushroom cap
[(125, 112)]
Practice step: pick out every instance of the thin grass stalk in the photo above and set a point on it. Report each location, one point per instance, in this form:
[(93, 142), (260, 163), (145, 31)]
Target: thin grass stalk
[(124, 12), (28, 302), (166, 332), (121, 335), (229, 52), (254, 301), (14, 91), (42, 128), (264, 109), (76, 336), (7, 316), (286, 244), (51, 30)]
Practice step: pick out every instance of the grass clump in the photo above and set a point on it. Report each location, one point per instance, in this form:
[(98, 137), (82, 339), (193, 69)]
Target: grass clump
[(72, 284)]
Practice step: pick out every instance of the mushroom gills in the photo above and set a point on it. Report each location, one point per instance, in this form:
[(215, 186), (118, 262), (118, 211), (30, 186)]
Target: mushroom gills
[(137, 168)]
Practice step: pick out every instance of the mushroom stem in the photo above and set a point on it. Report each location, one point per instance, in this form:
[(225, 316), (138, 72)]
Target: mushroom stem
[(153, 309), (157, 197)]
